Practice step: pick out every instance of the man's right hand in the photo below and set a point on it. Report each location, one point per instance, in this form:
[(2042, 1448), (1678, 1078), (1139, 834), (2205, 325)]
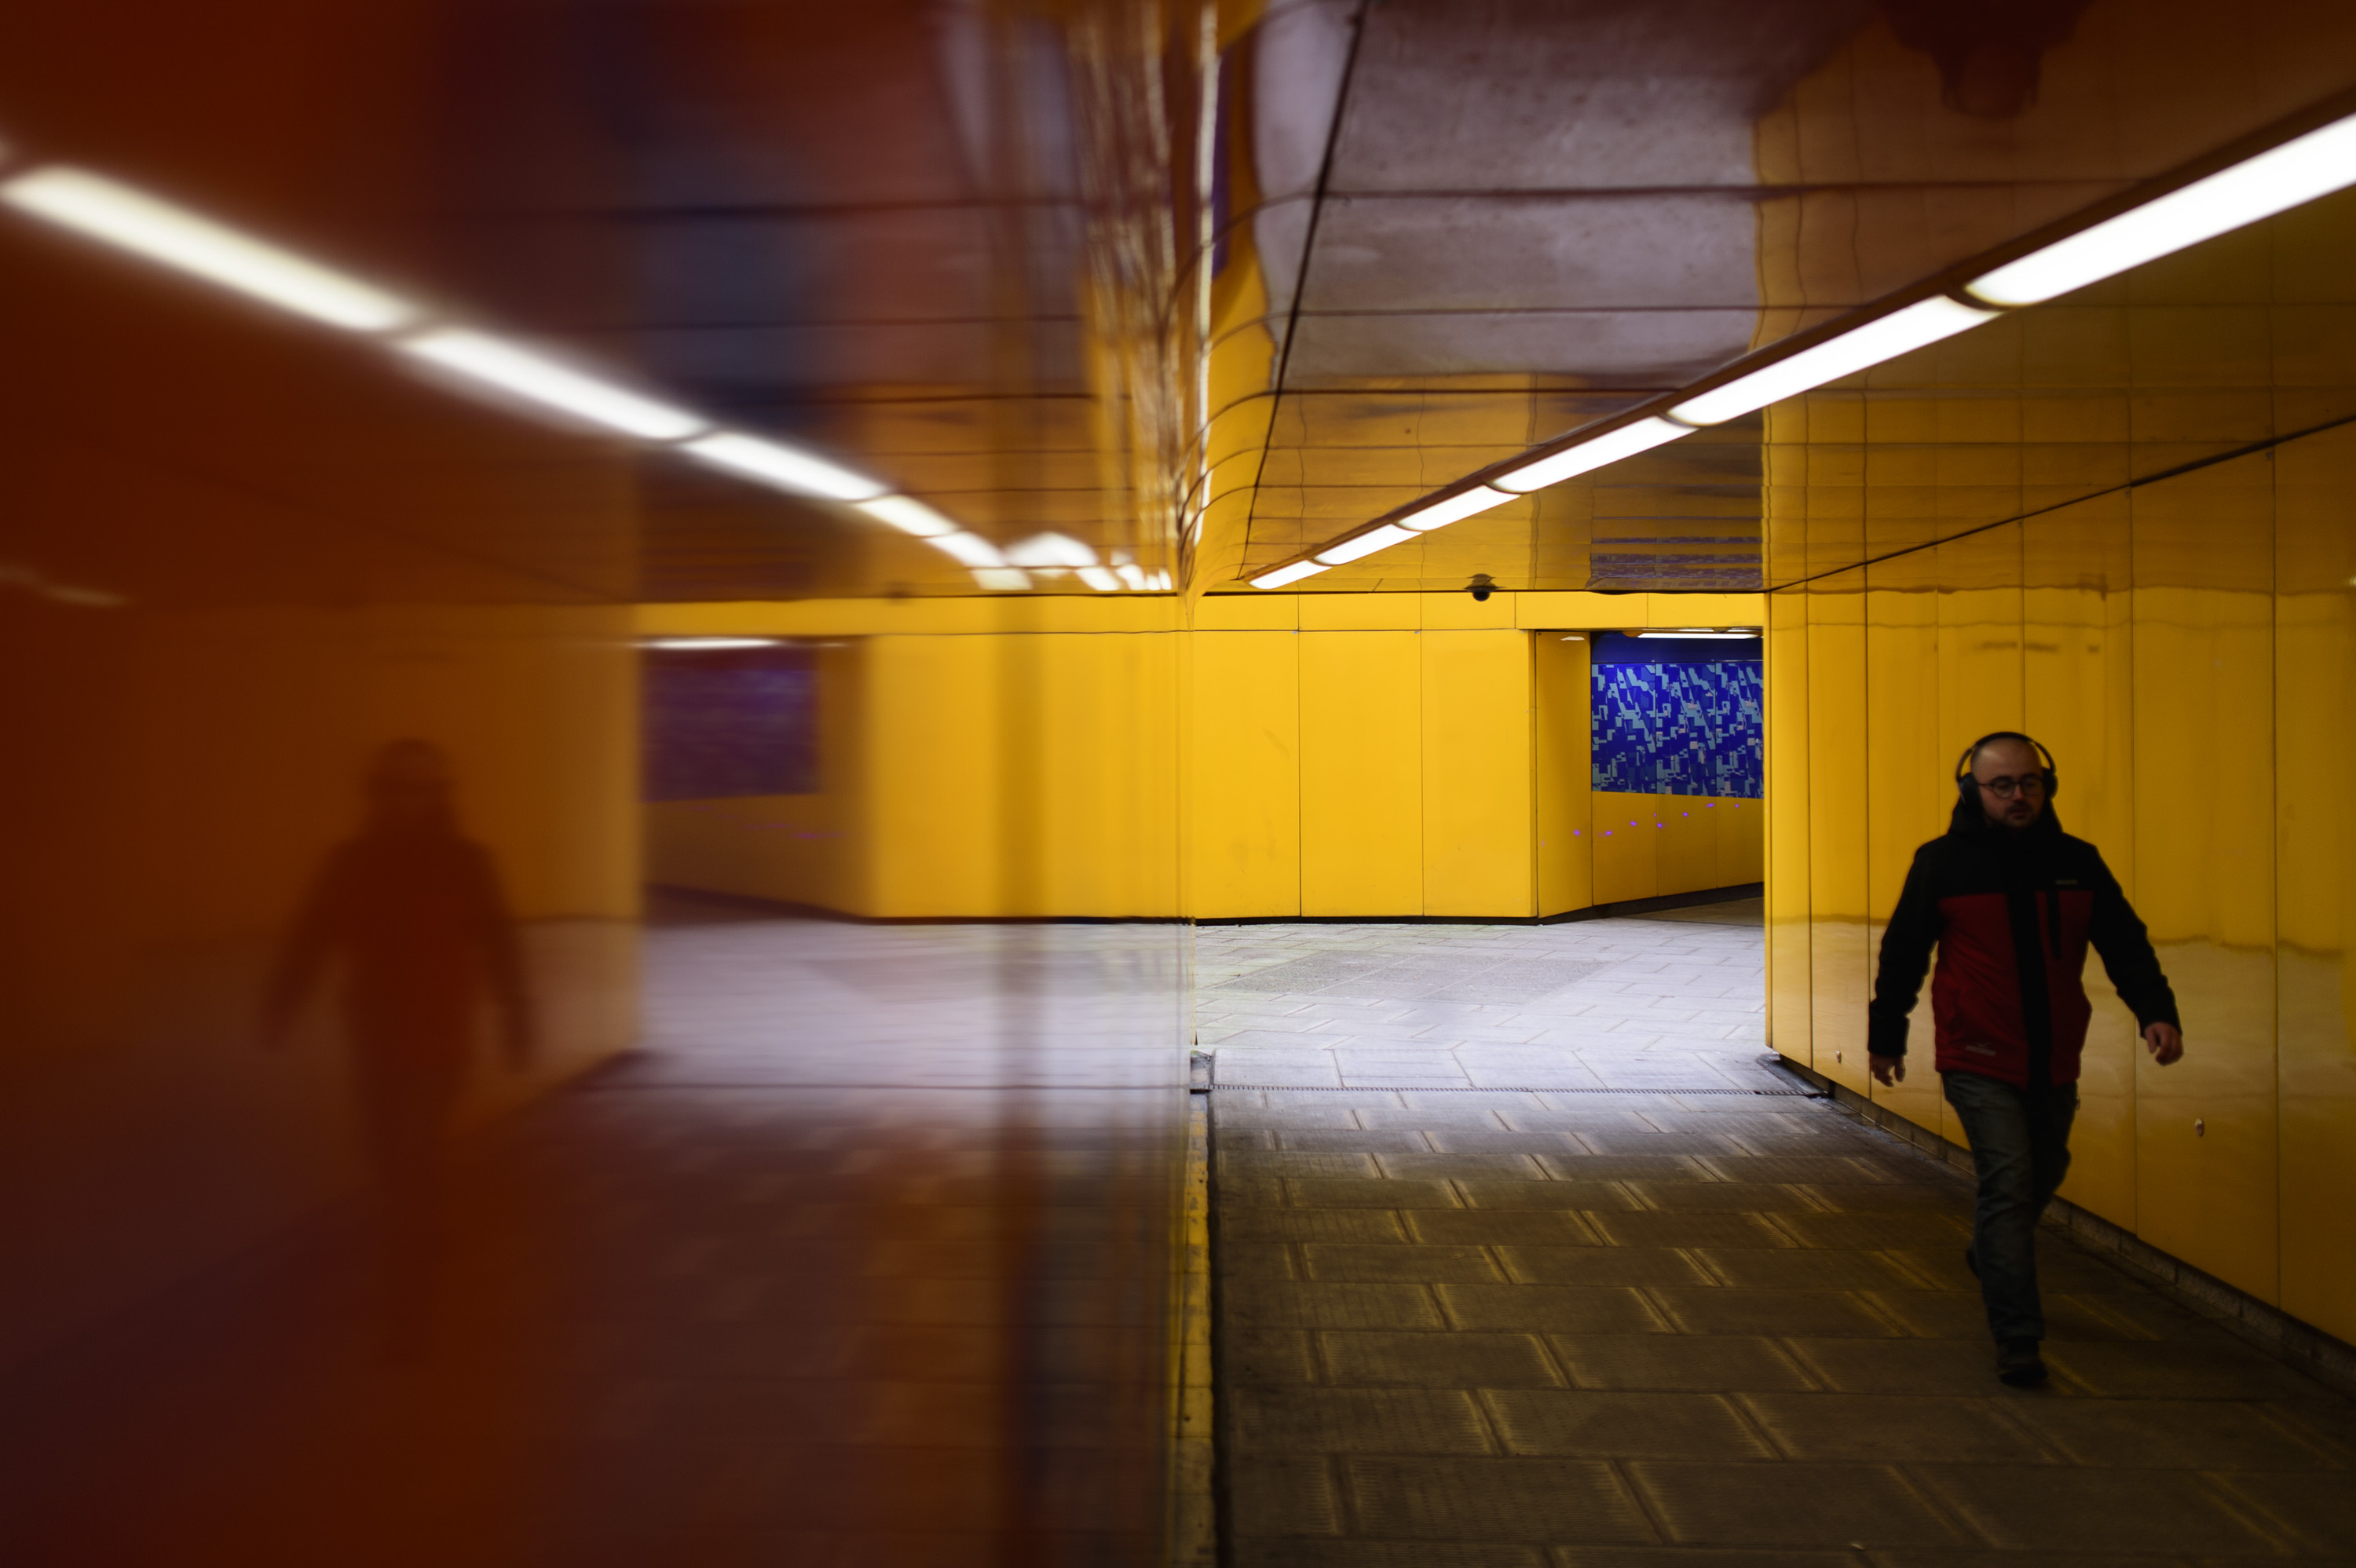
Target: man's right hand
[(1889, 1072)]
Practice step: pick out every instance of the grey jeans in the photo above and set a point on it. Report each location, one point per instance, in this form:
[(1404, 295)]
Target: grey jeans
[(2020, 1147)]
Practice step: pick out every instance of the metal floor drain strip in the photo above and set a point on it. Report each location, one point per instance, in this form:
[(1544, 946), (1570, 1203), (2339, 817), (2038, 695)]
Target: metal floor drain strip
[(1488, 1089)]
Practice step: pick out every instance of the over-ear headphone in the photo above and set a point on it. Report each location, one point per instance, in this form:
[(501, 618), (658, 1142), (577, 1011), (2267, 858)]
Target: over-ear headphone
[(1969, 787)]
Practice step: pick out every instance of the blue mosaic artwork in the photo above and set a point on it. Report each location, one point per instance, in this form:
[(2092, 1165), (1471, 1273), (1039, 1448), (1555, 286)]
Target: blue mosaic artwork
[(732, 722), (1676, 727)]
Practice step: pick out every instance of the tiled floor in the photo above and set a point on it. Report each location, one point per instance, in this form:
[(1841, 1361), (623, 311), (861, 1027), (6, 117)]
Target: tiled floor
[(1606, 1003), (1573, 1329)]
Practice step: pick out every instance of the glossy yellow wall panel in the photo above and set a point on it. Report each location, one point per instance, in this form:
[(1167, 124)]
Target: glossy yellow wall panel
[(1627, 863), (2205, 859), (1787, 814), (1244, 784), (2315, 752), (2077, 651), (1907, 795), (932, 830), (1840, 963), (1478, 856), (1361, 774), (1105, 840), (1562, 769)]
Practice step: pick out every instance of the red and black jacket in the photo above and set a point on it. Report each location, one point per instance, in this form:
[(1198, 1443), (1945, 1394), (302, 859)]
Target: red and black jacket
[(2011, 911)]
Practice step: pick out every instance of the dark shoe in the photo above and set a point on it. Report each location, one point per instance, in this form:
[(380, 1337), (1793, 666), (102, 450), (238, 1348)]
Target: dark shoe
[(2018, 1364)]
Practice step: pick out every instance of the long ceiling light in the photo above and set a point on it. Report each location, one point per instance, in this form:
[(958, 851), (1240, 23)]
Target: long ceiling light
[(1916, 325), (129, 220), (2262, 186), (173, 236), (1592, 454), (540, 380), (2273, 182)]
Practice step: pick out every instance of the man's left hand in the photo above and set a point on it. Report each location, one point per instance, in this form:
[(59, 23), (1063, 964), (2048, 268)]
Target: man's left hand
[(2165, 1041)]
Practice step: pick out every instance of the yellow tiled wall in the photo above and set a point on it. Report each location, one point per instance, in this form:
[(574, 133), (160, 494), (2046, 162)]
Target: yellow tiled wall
[(2186, 649), (1339, 755)]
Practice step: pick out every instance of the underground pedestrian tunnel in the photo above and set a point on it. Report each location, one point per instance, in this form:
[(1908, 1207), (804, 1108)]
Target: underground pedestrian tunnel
[(1115, 782)]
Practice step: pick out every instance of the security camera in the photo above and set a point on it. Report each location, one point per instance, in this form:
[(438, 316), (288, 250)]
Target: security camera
[(1482, 587)]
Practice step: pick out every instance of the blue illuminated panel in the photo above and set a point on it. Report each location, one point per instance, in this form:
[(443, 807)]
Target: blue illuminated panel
[(1677, 718)]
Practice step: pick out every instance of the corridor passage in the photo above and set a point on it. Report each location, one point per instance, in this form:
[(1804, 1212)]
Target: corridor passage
[(1652, 1303)]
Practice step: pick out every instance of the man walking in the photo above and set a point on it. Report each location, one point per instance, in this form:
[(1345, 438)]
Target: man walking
[(2011, 902)]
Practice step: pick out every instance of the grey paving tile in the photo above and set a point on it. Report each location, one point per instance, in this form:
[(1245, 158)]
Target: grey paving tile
[(1723, 1196), (1294, 1162), (1449, 1359), (2171, 1370), (1284, 1494), (1272, 1304), (1705, 1363), (1727, 1310), (1491, 1227), (2193, 1435), (1292, 1551), (1791, 1505), (1601, 1266), (1357, 1421), (2074, 1508), (1484, 1193), (1372, 1193), (1564, 1308), (1618, 1167), (1894, 1429), (2318, 1518), (1365, 1140), (1496, 1499), (1899, 1366), (1652, 1228), (1479, 1165), (1912, 1232), (1603, 1423), (1801, 1268), (1242, 1224), (1421, 1263), (1266, 1357), (1254, 1260)]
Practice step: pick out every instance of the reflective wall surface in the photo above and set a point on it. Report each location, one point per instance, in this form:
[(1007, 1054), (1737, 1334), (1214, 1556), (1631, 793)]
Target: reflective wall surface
[(2118, 522), (385, 1179)]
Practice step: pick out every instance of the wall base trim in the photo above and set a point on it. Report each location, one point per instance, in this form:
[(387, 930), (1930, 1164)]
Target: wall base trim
[(2324, 1357)]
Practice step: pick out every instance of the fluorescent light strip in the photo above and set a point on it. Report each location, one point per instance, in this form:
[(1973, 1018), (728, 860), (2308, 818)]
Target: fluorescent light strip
[(787, 468), (2273, 182), (1588, 455), (1364, 545), (706, 645), (1454, 509), (1705, 637), (1284, 576), (1100, 577), (133, 220), (519, 370), (1919, 324), (1001, 579)]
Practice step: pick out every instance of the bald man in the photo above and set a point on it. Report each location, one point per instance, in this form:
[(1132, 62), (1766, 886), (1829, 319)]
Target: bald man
[(2011, 902)]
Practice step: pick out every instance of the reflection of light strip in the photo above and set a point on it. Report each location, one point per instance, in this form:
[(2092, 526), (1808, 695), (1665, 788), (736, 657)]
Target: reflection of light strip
[(1284, 575), (794, 471), (552, 385), (970, 548), (1364, 545), (910, 516), (1919, 324), (707, 644), (1588, 455), (1454, 509), (133, 220), (119, 215), (2273, 181), (1704, 636)]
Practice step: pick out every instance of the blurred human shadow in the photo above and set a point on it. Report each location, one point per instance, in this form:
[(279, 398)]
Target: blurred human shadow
[(412, 912)]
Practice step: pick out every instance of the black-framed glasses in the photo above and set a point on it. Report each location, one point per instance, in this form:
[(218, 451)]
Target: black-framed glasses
[(2030, 785)]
